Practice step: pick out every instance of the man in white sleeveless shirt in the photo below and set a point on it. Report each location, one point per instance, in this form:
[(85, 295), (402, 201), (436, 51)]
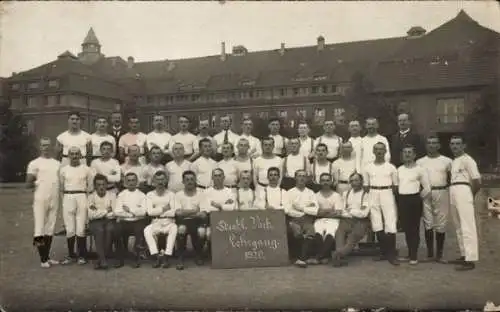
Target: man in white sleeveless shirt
[(242, 160), (73, 137), (262, 164), (159, 137), (371, 138), (155, 164), (320, 164), (255, 149), (176, 168), (101, 135), (344, 167), (107, 166), (245, 196), (330, 139), (133, 137), (204, 165), (356, 141), (228, 165), (280, 142), (42, 175), (306, 142), (133, 164), (292, 162), (186, 138)]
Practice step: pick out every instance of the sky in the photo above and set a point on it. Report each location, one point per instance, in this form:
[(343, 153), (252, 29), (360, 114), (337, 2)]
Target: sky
[(34, 33)]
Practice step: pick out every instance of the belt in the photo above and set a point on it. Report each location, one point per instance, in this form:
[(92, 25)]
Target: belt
[(262, 184), (95, 156), (444, 187), (201, 186), (112, 187), (74, 192), (161, 218), (460, 183), (66, 156), (343, 181), (231, 186), (380, 187)]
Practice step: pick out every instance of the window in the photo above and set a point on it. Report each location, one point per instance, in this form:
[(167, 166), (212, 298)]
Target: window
[(283, 92), (291, 124), (213, 120), (16, 103), (248, 83), (342, 90), (16, 87), (264, 115), (319, 77), (32, 101), (53, 83), (30, 126), (314, 89), (319, 115), (211, 96), (324, 89), (150, 100), (338, 111), (259, 93), (282, 114), (451, 110), (168, 122), (195, 97), (244, 95), (250, 94), (301, 113), (296, 91), (304, 91), (246, 116), (53, 100), (333, 89), (403, 107), (33, 85)]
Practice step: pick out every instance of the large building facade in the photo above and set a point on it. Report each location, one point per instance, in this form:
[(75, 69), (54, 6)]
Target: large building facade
[(437, 76)]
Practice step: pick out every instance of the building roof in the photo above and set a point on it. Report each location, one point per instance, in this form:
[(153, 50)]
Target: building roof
[(458, 53), (91, 38)]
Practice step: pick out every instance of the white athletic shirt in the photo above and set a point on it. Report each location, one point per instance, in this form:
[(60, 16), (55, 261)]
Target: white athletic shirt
[(261, 165), (46, 172), (203, 168), (135, 200), (231, 136), (230, 171), (292, 163), (77, 178), (97, 139), (129, 139), (150, 170), (333, 143), (155, 204), (175, 172), (109, 168), (243, 165), (255, 146), (380, 175), (101, 204), (411, 179), (137, 169), (68, 140), (224, 197), (306, 146), (188, 140), (367, 144), (353, 202), (160, 139), (331, 202), (318, 169), (357, 150), (304, 199), (343, 168), (273, 196), (245, 199), (437, 169), (185, 202), (464, 169), (280, 143)]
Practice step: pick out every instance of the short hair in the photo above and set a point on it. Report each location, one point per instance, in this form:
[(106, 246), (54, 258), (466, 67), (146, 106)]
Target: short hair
[(155, 148), (160, 173), (178, 143), (204, 140), (267, 139), (433, 136), (131, 174), (298, 171), (322, 145), (101, 118), (456, 136), (227, 116), (355, 121), (133, 117), (135, 146), (380, 143), (100, 177), (273, 119), (217, 169), (244, 140), (326, 174), (105, 143), (412, 147), (42, 139), (302, 122), (275, 169), (355, 173), (371, 119), (228, 143), (246, 172), (185, 117), (247, 118), (74, 113), (187, 173)]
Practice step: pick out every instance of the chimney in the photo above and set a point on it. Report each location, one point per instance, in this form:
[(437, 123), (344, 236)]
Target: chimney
[(282, 49), (321, 43), (416, 32), (130, 62), (223, 51)]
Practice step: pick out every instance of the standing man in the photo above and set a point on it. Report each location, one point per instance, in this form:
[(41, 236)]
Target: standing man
[(245, 196), (405, 136), (272, 196), (225, 136), (159, 137), (107, 166), (320, 165), (306, 142), (42, 174), (242, 161), (133, 137), (356, 141), (344, 167), (369, 140), (186, 138), (436, 206), (262, 164), (76, 183), (228, 166), (413, 187), (292, 162), (280, 142), (132, 164), (465, 183), (255, 149), (203, 166), (380, 179), (101, 135), (330, 139), (176, 168), (203, 128), (154, 165), (73, 137), (117, 132)]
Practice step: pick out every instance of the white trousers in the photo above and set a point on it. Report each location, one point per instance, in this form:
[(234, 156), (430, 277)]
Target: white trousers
[(75, 214), (462, 213), (383, 212), (45, 206), (436, 209), (326, 226), (157, 227)]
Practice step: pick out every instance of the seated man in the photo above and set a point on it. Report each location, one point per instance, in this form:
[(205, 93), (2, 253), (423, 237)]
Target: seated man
[(354, 223), (101, 219), (160, 206), (130, 211), (155, 156), (216, 198), (330, 208), (302, 208), (188, 217), (245, 197), (228, 165), (272, 196)]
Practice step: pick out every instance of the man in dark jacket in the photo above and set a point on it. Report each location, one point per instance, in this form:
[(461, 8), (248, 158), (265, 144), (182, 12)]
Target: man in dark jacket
[(117, 131), (405, 136)]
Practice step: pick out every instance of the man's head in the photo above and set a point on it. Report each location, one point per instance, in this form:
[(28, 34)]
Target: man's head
[(158, 122), (227, 150), (329, 126), (133, 124), (432, 144), (354, 128), (247, 126), (106, 149), (301, 178), (356, 180), (218, 177), (74, 155), (131, 181), (274, 125), (321, 151), (74, 121), (243, 147), (404, 122), (160, 179), (371, 125), (134, 152), (100, 184), (303, 129), (178, 150), (183, 122), (101, 124), (457, 145), (273, 175), (205, 146), (293, 146), (203, 125), (45, 144), (189, 180), (267, 145), (408, 154), (155, 154), (326, 181), (379, 150), (116, 119), (225, 122), (245, 178), (346, 149)]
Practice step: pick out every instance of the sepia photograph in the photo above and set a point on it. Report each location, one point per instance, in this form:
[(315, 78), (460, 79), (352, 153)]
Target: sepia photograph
[(249, 155)]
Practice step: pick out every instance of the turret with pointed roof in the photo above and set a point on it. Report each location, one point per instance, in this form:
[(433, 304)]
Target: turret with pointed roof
[(91, 48)]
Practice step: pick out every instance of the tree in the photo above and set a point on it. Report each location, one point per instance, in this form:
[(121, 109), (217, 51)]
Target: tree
[(17, 146)]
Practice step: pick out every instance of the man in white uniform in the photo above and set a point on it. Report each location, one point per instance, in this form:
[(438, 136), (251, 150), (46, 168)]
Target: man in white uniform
[(160, 206), (245, 196), (176, 168), (159, 137), (101, 135), (76, 183), (155, 165), (292, 162), (186, 138), (319, 165), (272, 196), (330, 139), (73, 137), (465, 183), (133, 137), (369, 140), (132, 164), (255, 148), (280, 142), (344, 167), (306, 142), (380, 179), (203, 128), (107, 166), (301, 213), (329, 205), (262, 164), (356, 141), (242, 161), (42, 174), (436, 206), (228, 165), (225, 136), (204, 165)]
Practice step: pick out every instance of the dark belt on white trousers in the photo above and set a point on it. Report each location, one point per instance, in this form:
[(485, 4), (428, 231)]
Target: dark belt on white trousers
[(381, 187), (460, 183), (74, 192), (343, 181), (444, 187)]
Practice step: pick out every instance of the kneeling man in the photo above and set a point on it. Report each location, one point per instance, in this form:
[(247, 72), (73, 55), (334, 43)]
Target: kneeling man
[(160, 206)]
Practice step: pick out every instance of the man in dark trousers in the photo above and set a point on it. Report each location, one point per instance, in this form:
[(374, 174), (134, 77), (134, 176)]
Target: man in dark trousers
[(117, 131), (404, 137)]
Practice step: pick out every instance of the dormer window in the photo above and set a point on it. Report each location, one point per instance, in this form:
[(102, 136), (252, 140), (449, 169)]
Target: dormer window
[(53, 83), (239, 50), (320, 77), (248, 83), (33, 85), (16, 87)]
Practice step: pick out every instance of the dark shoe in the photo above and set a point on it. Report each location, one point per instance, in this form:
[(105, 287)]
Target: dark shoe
[(441, 260), (394, 261), (379, 258), (466, 266), (119, 264), (136, 265), (458, 261), (157, 262), (199, 262), (180, 266), (166, 263)]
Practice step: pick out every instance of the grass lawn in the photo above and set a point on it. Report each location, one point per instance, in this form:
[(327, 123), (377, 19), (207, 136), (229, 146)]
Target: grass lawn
[(24, 286)]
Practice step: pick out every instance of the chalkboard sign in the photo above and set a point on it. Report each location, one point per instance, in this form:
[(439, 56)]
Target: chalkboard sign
[(242, 239)]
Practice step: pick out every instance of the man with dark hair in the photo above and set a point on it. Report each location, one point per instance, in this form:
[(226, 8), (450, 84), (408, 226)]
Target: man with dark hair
[(255, 148), (204, 165), (155, 164), (133, 137), (133, 164), (107, 166), (280, 142), (306, 142), (405, 136), (101, 135), (176, 168), (319, 166), (186, 138), (292, 162), (330, 139), (160, 138), (262, 164), (117, 132), (344, 167), (73, 137), (225, 136)]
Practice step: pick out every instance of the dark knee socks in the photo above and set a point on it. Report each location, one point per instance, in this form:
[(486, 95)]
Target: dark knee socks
[(440, 244), (71, 246), (429, 242), (81, 243)]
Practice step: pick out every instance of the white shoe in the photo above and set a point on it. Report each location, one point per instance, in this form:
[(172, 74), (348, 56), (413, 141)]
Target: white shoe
[(53, 262), (82, 261), (45, 265)]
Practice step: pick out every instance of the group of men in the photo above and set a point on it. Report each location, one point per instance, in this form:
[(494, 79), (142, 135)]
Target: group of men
[(162, 188)]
